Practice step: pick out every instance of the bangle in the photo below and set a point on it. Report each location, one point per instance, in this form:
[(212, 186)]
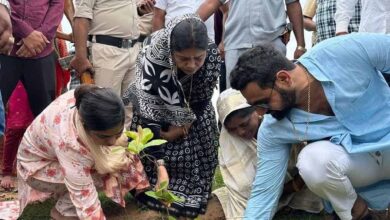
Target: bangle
[(301, 48), (160, 162)]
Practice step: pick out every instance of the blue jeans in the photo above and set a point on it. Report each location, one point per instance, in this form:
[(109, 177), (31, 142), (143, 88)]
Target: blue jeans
[(1, 116)]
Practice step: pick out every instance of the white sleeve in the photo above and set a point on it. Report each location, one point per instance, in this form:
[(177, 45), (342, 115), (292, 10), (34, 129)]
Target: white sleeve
[(345, 9)]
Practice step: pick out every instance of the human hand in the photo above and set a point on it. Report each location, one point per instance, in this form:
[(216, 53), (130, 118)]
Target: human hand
[(35, 42), (81, 65), (221, 48), (146, 7), (24, 51), (175, 132), (162, 176), (6, 39)]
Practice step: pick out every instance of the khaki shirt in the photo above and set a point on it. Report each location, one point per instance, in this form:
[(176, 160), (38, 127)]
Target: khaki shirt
[(116, 18), (310, 8)]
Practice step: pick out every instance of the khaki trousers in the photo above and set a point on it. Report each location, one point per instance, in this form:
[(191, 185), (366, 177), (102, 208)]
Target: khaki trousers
[(115, 68)]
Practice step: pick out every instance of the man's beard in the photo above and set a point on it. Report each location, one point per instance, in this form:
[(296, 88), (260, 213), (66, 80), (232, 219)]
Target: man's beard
[(288, 99)]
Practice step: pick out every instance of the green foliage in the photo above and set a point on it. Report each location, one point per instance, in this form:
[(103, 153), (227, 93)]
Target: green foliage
[(141, 140), (164, 195)]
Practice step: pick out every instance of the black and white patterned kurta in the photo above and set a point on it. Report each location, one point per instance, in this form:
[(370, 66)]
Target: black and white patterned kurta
[(160, 96)]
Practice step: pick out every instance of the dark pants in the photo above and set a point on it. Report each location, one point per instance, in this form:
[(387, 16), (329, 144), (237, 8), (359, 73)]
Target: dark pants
[(37, 75)]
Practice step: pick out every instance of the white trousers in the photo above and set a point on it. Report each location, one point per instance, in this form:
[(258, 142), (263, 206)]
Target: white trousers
[(333, 174)]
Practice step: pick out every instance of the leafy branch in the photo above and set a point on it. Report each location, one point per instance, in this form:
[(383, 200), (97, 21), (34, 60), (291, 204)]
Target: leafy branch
[(141, 140)]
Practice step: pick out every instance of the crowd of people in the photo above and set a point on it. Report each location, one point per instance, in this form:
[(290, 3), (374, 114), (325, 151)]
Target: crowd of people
[(310, 134)]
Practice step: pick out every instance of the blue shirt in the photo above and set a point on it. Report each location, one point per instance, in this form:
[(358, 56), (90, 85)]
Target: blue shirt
[(350, 71)]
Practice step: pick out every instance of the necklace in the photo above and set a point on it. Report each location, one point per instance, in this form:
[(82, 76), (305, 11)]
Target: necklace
[(189, 96), (304, 139)]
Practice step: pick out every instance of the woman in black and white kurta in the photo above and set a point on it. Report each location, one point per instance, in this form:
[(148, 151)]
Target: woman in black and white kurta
[(177, 72)]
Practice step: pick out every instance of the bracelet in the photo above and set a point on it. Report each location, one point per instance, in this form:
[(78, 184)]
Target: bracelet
[(160, 162), (301, 48)]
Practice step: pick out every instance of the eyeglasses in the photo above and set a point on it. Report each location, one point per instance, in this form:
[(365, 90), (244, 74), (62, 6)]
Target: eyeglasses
[(265, 102)]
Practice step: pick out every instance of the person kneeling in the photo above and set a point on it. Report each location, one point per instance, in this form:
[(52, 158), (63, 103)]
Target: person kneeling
[(66, 154)]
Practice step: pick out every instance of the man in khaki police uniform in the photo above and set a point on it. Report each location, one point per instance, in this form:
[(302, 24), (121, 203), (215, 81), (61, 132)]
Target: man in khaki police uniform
[(111, 27)]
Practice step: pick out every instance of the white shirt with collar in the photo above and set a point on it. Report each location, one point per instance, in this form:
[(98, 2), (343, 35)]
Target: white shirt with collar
[(375, 15)]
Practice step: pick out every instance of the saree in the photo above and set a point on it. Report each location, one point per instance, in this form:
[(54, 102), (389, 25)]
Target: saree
[(162, 95)]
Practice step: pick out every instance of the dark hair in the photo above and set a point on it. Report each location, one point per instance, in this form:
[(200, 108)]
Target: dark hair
[(189, 33), (259, 64), (99, 108), (240, 113)]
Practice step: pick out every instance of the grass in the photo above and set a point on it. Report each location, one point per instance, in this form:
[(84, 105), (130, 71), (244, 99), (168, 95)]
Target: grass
[(41, 211)]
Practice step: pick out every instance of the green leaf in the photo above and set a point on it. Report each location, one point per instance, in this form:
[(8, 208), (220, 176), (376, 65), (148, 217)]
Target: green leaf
[(175, 198), (133, 148), (155, 143), (160, 193), (171, 218), (163, 185), (152, 194), (131, 134), (147, 135)]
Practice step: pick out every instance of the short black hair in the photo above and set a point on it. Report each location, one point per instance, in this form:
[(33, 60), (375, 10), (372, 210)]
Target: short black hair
[(189, 33), (99, 108), (240, 113), (259, 64)]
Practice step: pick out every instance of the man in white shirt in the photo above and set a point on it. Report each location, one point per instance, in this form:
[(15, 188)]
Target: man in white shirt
[(375, 16), (166, 10)]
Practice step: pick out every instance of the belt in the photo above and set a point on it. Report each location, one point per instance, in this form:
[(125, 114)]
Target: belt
[(114, 41)]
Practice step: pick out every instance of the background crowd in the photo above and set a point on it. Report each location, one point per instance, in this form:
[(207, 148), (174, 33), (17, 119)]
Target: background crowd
[(157, 64)]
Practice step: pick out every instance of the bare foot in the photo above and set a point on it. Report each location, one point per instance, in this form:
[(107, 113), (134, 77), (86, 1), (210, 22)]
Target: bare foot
[(7, 182), (359, 209)]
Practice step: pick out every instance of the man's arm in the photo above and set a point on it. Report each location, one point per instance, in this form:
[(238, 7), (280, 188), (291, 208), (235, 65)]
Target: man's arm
[(158, 19), (309, 12), (81, 26), (80, 61), (345, 9), (378, 51), (271, 171), (6, 40), (225, 13), (69, 11), (294, 12), (207, 8)]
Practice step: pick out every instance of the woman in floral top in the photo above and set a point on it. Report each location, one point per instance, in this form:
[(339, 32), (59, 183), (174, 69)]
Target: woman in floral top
[(65, 154)]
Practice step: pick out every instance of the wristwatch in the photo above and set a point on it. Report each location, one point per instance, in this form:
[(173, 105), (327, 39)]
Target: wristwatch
[(6, 4), (301, 48), (160, 162)]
